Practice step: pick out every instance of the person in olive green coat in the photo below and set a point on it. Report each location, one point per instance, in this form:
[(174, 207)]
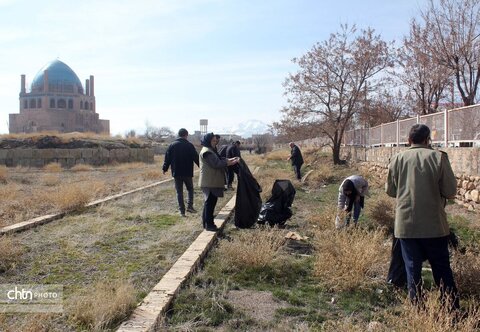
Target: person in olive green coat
[(421, 179)]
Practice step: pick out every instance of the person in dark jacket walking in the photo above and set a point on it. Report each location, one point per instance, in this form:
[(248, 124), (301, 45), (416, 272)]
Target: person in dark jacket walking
[(296, 159), (181, 155), (233, 150)]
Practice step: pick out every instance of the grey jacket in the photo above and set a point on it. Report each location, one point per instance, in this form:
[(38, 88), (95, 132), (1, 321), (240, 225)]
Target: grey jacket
[(361, 185)]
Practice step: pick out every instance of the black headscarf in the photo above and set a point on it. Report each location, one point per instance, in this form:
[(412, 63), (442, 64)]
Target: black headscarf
[(349, 186), (207, 140)]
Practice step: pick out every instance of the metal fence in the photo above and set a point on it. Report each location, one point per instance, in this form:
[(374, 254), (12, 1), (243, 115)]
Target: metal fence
[(455, 127)]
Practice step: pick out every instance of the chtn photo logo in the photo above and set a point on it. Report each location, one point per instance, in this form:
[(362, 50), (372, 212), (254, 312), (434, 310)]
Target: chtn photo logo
[(19, 294)]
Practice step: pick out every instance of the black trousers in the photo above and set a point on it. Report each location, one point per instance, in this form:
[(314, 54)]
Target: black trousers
[(297, 168), (435, 250), (208, 209), (231, 171), (188, 181)]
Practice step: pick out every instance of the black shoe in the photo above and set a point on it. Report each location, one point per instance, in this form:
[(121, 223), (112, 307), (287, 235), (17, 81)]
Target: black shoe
[(182, 214), (191, 209), (211, 228)]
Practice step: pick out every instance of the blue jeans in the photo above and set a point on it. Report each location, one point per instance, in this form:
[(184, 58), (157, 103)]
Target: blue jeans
[(357, 207), (414, 252), (179, 181)]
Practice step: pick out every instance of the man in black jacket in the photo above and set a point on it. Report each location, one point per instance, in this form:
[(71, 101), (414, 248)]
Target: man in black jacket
[(233, 150), (296, 159), (181, 155)]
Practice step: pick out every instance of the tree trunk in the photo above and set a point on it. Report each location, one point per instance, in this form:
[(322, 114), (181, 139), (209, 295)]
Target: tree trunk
[(336, 154)]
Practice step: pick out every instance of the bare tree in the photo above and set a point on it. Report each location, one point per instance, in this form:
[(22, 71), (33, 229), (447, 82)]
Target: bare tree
[(328, 88), (157, 134), (262, 142), (389, 103), (130, 133), (427, 80), (451, 36)]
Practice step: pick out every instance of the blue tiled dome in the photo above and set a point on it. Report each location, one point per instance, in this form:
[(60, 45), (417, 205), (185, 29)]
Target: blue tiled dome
[(61, 78)]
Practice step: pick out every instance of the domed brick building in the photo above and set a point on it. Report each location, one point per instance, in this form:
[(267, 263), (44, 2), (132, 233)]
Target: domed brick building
[(57, 101)]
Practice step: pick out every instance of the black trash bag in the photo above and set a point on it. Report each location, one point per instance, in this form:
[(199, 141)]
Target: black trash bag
[(276, 210), (248, 201)]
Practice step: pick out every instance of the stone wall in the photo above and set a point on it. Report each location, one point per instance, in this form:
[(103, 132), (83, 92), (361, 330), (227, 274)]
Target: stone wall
[(465, 164), (29, 157), (463, 160)]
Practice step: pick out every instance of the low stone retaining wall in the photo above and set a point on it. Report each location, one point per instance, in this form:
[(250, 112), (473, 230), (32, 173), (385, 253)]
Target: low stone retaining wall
[(29, 157), (463, 160), (468, 187)]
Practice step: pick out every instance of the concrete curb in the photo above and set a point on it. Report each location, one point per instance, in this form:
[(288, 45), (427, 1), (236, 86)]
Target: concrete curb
[(24, 225), (149, 314)]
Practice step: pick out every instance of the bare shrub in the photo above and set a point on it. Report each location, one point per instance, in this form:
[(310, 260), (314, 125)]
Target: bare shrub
[(322, 174), (35, 323), (106, 304), (128, 166), (325, 219), (152, 174), (466, 269), (81, 168), (382, 212), (9, 253), (50, 180), (434, 316), (344, 325), (3, 174), (251, 248), (278, 155), (53, 167), (350, 258), (71, 197)]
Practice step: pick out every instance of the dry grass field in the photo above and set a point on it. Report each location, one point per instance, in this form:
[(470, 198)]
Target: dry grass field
[(28, 193), (109, 257), (257, 280)]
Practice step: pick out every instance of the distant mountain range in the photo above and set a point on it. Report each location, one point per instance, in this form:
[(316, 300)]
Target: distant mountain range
[(247, 128)]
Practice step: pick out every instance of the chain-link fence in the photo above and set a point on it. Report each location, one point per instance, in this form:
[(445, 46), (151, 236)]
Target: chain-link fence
[(457, 127)]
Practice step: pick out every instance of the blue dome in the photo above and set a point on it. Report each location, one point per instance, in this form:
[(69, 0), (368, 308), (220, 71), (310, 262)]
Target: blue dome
[(61, 78)]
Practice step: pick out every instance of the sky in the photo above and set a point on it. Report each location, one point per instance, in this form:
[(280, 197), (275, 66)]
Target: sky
[(173, 62)]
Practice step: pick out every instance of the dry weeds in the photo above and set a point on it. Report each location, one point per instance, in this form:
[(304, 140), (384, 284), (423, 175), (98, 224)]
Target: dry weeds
[(466, 270), (129, 166), (106, 304), (153, 174), (433, 317), (71, 197), (81, 168), (10, 253), (3, 174), (321, 175), (324, 220), (53, 167), (278, 155), (350, 258), (382, 212), (251, 248), (50, 180)]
